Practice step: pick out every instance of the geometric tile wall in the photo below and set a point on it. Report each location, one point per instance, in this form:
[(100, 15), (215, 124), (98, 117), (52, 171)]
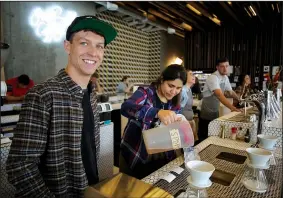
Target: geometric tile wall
[(134, 53)]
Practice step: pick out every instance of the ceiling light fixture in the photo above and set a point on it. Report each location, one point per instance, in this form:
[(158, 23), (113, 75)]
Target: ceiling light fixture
[(229, 2), (111, 6), (186, 26), (193, 9), (252, 10), (248, 12), (215, 20), (178, 61), (171, 30), (278, 8)]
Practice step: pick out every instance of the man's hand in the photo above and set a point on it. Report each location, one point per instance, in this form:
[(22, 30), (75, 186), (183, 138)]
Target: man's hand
[(168, 116), (236, 109)]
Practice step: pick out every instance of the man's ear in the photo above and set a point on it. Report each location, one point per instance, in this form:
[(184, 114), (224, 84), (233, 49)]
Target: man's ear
[(67, 46)]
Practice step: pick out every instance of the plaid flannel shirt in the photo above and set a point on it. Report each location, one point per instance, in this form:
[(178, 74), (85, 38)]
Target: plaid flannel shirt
[(140, 110), (45, 156)]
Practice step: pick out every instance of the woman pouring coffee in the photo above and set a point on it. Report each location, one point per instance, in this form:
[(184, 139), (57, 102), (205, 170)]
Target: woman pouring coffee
[(161, 101)]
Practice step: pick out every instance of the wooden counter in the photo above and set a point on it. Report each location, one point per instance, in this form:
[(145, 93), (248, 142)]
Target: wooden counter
[(124, 186)]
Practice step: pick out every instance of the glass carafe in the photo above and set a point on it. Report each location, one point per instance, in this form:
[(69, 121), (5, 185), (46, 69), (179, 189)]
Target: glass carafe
[(272, 160), (194, 192), (254, 178)]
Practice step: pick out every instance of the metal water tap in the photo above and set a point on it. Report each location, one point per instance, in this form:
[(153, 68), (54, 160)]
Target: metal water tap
[(261, 118)]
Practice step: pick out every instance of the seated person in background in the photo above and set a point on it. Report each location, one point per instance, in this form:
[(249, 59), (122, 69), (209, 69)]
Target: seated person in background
[(196, 89), (20, 86), (96, 83), (243, 89), (187, 101), (124, 86), (159, 102)]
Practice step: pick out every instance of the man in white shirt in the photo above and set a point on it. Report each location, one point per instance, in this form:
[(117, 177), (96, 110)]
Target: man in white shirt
[(217, 86)]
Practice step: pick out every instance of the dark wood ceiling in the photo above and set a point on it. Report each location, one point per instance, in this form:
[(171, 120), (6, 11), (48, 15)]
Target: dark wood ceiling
[(231, 14)]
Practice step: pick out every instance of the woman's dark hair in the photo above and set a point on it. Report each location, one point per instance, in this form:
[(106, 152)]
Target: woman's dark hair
[(170, 73), (241, 79), (125, 78), (196, 87), (23, 79)]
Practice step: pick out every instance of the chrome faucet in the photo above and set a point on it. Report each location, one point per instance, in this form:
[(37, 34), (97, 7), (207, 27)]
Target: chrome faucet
[(259, 101), (261, 117)]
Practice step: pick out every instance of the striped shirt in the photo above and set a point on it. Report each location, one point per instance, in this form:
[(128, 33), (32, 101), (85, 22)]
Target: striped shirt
[(45, 156)]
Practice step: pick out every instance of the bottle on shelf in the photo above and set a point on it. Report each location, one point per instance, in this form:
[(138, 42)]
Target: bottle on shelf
[(247, 136), (222, 132), (233, 133)]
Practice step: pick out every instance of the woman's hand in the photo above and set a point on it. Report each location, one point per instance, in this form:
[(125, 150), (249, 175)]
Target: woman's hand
[(168, 116)]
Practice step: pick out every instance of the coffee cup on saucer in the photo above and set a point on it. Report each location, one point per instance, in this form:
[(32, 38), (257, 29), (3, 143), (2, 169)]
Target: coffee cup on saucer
[(200, 172)]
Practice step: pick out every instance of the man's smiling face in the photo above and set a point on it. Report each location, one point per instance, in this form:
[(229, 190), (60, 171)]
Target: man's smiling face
[(86, 50)]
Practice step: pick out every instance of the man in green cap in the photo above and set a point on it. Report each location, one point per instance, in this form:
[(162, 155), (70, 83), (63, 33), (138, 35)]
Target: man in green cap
[(56, 143)]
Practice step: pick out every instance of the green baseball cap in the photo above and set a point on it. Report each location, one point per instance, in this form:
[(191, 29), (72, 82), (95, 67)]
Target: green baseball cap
[(90, 22)]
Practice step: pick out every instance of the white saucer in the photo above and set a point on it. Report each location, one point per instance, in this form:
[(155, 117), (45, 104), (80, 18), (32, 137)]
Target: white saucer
[(257, 166), (260, 146), (209, 183), (249, 184)]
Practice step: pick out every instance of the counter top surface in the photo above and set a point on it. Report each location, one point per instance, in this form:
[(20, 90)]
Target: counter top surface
[(209, 149), (11, 107), (155, 176)]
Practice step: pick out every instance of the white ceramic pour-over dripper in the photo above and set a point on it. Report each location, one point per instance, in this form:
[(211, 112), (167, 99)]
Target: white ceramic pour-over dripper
[(200, 172), (267, 141), (258, 156)]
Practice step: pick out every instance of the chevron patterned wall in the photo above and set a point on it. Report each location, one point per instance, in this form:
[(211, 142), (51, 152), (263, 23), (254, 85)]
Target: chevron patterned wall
[(134, 53)]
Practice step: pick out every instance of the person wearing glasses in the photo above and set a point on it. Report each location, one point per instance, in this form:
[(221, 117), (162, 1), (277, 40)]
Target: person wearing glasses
[(56, 143), (213, 93)]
